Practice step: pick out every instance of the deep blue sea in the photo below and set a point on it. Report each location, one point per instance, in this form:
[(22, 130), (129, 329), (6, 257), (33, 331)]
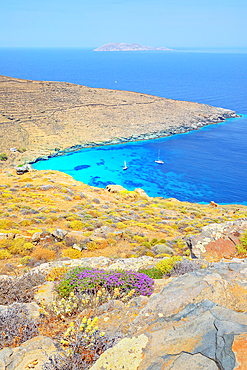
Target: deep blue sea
[(200, 166)]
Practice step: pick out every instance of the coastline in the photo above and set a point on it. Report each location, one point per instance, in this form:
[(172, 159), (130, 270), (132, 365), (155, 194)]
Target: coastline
[(134, 138), (49, 119)]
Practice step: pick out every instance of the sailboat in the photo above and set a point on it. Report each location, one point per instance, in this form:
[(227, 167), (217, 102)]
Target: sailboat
[(159, 161), (125, 166)]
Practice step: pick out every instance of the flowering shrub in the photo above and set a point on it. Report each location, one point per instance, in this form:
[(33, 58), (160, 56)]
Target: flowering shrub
[(84, 280), (167, 264), (67, 307), (56, 273), (71, 253), (4, 254), (82, 344)]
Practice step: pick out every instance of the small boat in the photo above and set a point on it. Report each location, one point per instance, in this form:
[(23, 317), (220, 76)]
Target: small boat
[(125, 167), (159, 161)]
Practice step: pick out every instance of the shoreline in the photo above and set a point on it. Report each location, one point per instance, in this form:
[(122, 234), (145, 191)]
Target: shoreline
[(42, 119), (133, 138)]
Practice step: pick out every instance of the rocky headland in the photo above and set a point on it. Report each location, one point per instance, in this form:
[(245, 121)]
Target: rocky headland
[(40, 119), (127, 47)]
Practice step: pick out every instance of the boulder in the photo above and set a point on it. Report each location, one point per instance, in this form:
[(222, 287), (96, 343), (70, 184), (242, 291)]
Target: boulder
[(31, 354), (141, 192), (45, 293), (46, 187), (217, 240), (3, 236), (36, 237), (23, 169), (59, 233), (115, 188), (162, 249)]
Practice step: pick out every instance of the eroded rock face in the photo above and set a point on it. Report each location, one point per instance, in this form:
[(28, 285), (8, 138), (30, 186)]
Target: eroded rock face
[(217, 240), (192, 323), (31, 354)]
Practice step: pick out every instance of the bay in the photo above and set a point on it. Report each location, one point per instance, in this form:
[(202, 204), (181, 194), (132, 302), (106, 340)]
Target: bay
[(204, 165)]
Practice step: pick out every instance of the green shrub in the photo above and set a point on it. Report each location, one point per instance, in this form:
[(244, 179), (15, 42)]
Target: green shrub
[(242, 248), (153, 273), (3, 157), (21, 150), (167, 264)]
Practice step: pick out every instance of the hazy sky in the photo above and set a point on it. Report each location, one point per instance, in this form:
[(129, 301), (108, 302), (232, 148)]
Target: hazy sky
[(92, 23)]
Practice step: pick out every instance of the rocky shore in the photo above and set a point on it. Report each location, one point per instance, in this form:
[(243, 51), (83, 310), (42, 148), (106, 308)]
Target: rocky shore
[(45, 119)]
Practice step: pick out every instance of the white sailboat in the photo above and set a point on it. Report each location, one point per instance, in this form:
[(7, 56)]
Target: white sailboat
[(159, 161), (125, 166)]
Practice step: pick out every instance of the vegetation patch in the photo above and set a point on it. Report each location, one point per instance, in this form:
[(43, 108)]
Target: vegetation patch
[(83, 280)]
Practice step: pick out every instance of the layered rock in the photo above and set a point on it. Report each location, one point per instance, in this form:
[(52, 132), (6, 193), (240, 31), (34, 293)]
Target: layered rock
[(194, 322)]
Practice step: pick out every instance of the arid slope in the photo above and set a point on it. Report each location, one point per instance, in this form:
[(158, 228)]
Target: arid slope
[(47, 117)]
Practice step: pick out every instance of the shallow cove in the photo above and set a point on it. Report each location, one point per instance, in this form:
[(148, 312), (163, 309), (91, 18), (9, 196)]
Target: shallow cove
[(200, 166)]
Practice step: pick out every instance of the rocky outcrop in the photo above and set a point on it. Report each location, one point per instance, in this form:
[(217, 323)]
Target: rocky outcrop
[(30, 355), (217, 240), (194, 322), (102, 262), (115, 188)]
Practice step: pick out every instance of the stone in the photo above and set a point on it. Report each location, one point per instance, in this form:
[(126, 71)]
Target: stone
[(36, 237), (115, 188), (96, 200), (46, 187), (59, 233), (131, 354), (23, 169), (3, 236), (187, 361), (162, 249), (199, 336), (217, 240), (141, 192), (5, 357), (45, 293), (35, 351), (213, 204)]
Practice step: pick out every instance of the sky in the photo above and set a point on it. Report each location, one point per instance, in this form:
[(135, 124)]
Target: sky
[(92, 23)]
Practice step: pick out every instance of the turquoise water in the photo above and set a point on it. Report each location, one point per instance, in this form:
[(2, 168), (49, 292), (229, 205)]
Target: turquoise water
[(208, 164), (199, 166)]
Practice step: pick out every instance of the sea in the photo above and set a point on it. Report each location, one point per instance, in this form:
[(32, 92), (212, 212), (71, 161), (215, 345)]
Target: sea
[(205, 165)]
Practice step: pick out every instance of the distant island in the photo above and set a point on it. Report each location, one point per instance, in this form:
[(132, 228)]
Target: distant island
[(127, 47)]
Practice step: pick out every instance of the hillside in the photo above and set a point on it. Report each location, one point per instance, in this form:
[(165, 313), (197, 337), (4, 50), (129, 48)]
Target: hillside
[(44, 119), (121, 224), (128, 283)]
